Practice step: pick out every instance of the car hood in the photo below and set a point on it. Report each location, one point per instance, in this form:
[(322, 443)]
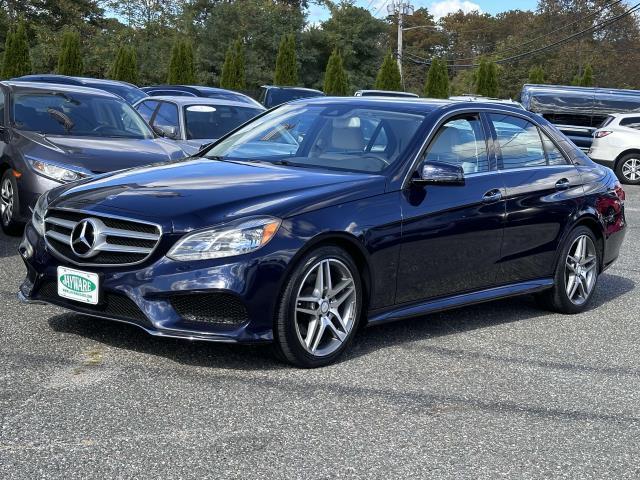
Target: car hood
[(198, 192), (99, 155)]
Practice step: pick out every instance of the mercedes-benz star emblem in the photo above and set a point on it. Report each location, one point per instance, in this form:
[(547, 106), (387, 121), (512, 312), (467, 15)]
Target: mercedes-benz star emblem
[(83, 238)]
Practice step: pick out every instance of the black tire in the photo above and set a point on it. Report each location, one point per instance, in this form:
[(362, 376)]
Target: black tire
[(10, 205), (627, 167), (557, 298), (288, 342)]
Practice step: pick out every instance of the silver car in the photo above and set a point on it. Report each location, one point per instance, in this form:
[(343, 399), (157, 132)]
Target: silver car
[(194, 122), (616, 144)]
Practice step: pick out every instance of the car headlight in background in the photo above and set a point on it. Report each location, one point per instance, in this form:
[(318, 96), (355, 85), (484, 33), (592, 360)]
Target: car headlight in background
[(39, 211), (226, 241), (57, 172)]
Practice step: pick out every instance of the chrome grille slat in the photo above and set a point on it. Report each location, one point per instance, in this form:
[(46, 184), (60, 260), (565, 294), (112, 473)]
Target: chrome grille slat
[(60, 237), (61, 222), (107, 247), (118, 240), (118, 232)]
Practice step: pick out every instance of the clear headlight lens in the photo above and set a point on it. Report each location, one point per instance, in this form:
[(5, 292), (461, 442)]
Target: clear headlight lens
[(37, 219), (226, 241), (57, 172)]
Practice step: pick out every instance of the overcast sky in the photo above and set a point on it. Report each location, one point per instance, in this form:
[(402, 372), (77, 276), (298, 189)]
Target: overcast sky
[(437, 8)]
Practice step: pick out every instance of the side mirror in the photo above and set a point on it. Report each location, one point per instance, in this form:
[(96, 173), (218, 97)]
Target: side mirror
[(166, 131), (438, 173)]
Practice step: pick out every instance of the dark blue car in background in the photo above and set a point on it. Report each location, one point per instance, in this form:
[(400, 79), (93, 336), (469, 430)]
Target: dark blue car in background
[(326, 214)]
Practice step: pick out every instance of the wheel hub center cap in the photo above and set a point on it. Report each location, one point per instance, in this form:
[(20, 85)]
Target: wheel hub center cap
[(324, 306)]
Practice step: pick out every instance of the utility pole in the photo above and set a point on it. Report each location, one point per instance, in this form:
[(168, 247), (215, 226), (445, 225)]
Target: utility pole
[(400, 8)]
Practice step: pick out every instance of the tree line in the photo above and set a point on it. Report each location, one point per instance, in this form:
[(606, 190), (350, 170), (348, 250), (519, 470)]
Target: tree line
[(241, 44)]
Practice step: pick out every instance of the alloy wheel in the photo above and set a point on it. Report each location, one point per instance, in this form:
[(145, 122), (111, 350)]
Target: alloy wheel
[(326, 306), (581, 269), (631, 169), (6, 201)]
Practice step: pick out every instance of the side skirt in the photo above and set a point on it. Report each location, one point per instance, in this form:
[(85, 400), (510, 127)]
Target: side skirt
[(401, 311)]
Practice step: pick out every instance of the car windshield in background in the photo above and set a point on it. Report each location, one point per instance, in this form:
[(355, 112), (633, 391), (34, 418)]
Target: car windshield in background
[(339, 137), (130, 94), (77, 114), (280, 96), (214, 121)]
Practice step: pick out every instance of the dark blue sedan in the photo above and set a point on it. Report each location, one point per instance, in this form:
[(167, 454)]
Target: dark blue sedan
[(327, 214)]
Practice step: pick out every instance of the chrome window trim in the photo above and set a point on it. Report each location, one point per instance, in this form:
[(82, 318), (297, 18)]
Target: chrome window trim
[(98, 215), (443, 117)]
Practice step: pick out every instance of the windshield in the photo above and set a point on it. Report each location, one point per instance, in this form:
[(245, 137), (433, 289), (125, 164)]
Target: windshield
[(279, 96), (341, 137), (78, 115), (130, 94), (214, 121)]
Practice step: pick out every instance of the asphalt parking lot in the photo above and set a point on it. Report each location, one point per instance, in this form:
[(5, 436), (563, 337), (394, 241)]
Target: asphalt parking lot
[(501, 390)]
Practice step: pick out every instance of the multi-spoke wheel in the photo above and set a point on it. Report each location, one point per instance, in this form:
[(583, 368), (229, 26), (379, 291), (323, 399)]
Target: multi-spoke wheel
[(320, 308), (576, 274), (628, 169), (581, 269), (9, 204)]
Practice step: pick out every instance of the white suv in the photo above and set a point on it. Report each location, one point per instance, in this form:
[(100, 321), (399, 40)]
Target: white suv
[(616, 144)]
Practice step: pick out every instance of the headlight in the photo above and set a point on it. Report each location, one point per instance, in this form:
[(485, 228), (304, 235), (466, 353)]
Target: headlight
[(57, 172), (225, 241), (37, 219)]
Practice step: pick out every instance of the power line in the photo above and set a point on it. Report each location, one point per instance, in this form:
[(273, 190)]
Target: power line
[(567, 39), (529, 42), (380, 8)]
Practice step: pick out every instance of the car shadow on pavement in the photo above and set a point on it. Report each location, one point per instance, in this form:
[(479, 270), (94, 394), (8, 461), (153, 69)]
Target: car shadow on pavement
[(368, 340)]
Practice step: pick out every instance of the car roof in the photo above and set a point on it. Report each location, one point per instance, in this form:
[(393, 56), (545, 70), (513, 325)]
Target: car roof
[(383, 92), (625, 115), (182, 101), (27, 85), (82, 80), (302, 89), (413, 105)]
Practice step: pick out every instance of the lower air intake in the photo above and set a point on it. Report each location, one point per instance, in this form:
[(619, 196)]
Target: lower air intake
[(212, 308)]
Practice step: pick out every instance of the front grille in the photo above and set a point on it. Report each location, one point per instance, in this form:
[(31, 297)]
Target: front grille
[(116, 241), (115, 305), (210, 308)]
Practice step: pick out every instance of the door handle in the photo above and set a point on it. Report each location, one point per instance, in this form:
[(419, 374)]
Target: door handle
[(491, 196), (562, 184)]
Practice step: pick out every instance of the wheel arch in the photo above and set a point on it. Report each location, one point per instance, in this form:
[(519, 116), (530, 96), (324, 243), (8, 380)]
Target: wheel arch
[(347, 242), (625, 153), (588, 219)]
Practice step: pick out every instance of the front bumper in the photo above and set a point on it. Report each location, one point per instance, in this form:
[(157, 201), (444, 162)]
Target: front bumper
[(226, 300)]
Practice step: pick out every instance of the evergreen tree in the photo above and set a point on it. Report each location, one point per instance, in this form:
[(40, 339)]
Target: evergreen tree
[(16, 61), (181, 64), (70, 58), (437, 83), (335, 77), (587, 77), (389, 75), (125, 67), (239, 62), (487, 78), (227, 78), (286, 73), (536, 74)]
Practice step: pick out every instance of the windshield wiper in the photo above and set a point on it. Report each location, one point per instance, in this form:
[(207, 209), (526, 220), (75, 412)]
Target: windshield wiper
[(62, 119)]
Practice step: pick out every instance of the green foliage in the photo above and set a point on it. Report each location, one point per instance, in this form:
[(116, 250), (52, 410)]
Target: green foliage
[(125, 67), (389, 75), (536, 74), (587, 77), (16, 61), (487, 78), (233, 70), (70, 58), (286, 73), (335, 77), (437, 83), (181, 64)]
